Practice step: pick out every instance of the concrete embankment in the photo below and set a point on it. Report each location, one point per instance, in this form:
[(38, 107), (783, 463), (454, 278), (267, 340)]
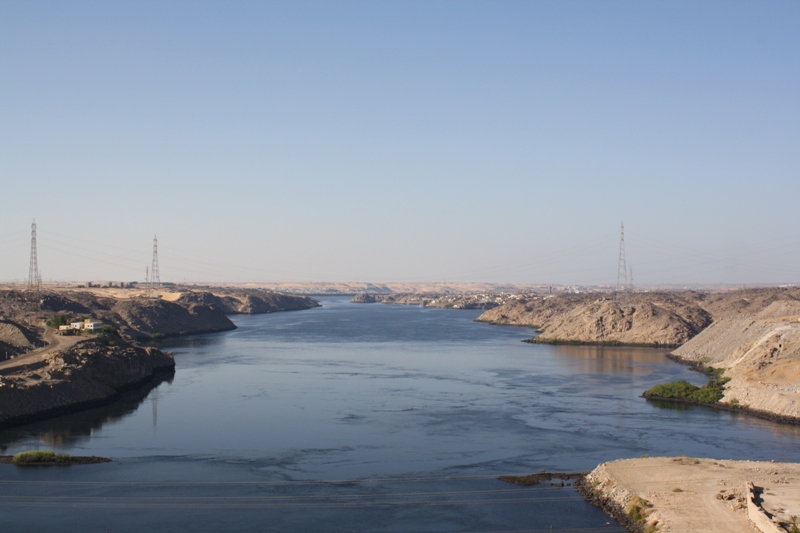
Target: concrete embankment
[(88, 374), (682, 494)]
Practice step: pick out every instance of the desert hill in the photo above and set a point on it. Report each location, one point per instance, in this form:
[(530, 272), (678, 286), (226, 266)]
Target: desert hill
[(760, 353), (668, 318)]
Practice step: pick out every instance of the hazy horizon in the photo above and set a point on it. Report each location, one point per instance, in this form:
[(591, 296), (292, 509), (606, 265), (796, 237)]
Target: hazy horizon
[(406, 142)]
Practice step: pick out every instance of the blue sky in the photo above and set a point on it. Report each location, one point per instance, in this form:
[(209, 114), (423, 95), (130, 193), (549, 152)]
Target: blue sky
[(405, 141)]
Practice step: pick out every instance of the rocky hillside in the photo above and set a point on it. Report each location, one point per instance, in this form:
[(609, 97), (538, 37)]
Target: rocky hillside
[(760, 354), (248, 301), (744, 302), (141, 317), (89, 373), (655, 319), (16, 339), (647, 318), (22, 317)]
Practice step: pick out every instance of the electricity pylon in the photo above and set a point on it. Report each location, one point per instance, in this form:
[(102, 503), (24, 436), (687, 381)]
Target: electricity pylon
[(155, 278), (34, 276), (622, 270)]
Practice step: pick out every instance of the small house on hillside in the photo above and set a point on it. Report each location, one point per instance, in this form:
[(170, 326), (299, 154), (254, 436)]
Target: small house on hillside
[(88, 325)]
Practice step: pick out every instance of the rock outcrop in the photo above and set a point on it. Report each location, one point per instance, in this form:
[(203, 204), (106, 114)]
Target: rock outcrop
[(248, 302), (88, 374), (142, 318), (652, 319), (364, 298)]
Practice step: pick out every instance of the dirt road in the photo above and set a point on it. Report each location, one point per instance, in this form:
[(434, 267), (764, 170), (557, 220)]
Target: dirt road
[(55, 342)]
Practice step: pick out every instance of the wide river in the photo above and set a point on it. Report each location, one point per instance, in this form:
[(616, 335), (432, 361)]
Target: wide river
[(355, 417)]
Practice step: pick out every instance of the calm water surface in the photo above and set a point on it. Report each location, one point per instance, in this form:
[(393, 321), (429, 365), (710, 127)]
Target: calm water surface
[(366, 418)]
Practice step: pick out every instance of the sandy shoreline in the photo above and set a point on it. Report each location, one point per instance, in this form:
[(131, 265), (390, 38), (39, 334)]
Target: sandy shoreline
[(682, 494)]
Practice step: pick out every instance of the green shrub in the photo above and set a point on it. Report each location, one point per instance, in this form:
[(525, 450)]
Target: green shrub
[(675, 389), (40, 456), (707, 394), (683, 390), (638, 509), (58, 320)]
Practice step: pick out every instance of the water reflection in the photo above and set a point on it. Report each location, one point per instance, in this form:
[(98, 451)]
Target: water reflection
[(745, 421), (615, 360), (70, 429)]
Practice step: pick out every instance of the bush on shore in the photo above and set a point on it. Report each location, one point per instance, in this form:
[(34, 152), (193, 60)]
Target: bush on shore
[(41, 456), (712, 392), (683, 390)]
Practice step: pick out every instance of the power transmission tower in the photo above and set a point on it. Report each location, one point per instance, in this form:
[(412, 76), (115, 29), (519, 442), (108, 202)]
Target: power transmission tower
[(155, 278), (147, 275), (622, 270), (34, 276)]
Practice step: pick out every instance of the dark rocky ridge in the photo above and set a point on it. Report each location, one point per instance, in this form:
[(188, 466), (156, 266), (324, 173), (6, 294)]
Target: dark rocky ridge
[(137, 318), (142, 318), (248, 301), (365, 298), (88, 374)]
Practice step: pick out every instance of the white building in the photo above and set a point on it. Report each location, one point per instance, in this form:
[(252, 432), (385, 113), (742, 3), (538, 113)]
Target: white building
[(88, 324)]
